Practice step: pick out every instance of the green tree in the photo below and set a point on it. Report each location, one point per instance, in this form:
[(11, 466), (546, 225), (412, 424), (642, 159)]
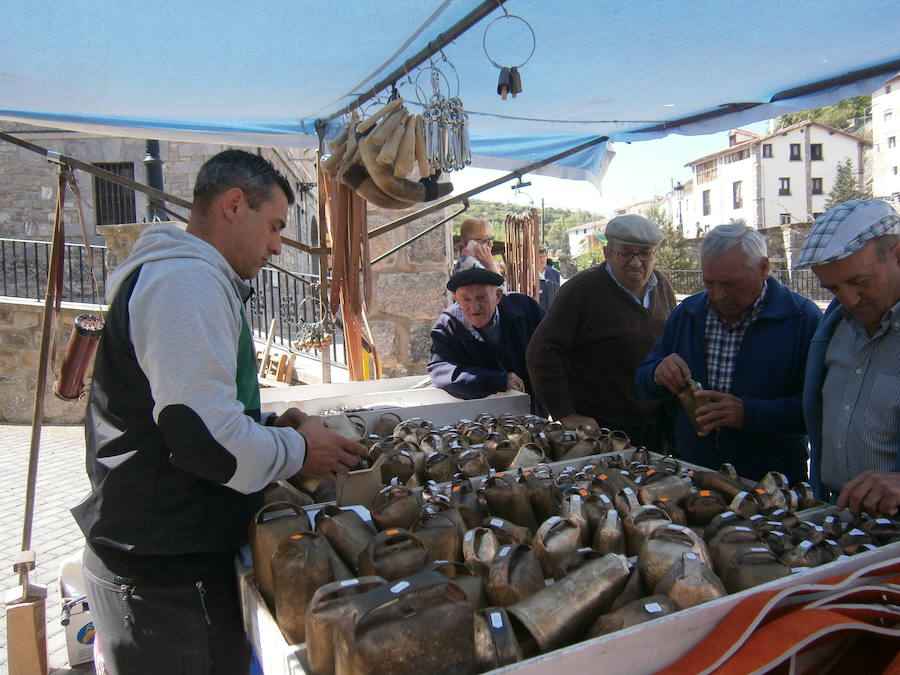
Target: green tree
[(589, 259), (837, 116), (846, 186), (675, 252)]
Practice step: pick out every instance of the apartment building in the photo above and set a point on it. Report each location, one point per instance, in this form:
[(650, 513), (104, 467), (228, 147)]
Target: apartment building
[(885, 134), (766, 180)]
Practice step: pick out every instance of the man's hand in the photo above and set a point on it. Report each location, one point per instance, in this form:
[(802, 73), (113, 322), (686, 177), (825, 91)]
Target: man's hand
[(723, 410), (671, 373), (876, 493), (327, 453), (292, 417), (575, 420), (482, 253), (514, 383)]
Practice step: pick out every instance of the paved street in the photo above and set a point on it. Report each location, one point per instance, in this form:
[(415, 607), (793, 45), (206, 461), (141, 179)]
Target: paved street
[(61, 482)]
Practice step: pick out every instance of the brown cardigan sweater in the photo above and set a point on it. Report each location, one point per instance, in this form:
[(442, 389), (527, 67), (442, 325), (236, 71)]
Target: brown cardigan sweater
[(583, 356)]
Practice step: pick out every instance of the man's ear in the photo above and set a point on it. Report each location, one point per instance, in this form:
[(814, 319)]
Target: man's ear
[(230, 203), (764, 267), (499, 293)]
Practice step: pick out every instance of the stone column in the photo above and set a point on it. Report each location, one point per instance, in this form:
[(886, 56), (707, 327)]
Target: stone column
[(410, 290)]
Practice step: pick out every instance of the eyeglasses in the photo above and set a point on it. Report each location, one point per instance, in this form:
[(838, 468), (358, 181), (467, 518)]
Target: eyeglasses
[(484, 240), (628, 256)]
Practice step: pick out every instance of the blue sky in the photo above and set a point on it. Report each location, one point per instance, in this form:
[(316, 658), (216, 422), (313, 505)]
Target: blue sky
[(638, 171)]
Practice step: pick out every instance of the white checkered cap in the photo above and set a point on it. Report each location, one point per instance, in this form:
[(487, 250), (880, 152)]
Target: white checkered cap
[(845, 229)]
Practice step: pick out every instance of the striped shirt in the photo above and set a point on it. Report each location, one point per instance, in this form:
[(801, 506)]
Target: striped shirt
[(861, 400), (723, 343)]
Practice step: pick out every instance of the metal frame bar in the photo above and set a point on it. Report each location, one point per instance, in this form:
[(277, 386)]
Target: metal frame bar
[(432, 48), (453, 199)]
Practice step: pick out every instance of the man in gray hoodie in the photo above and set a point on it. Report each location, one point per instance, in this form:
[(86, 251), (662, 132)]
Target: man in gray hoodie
[(177, 451)]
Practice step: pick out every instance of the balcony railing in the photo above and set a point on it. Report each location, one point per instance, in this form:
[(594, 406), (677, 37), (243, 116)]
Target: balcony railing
[(278, 295), (804, 282), (25, 264)]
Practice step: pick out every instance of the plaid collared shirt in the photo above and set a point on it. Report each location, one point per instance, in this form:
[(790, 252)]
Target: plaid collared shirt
[(723, 343)]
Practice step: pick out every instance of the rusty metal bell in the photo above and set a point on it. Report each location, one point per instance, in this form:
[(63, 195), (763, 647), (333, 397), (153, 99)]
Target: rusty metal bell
[(656, 485), (419, 624), (346, 531), (559, 614), (513, 575), (529, 454), (470, 582), (496, 644), (639, 523), (480, 547), (265, 535), (812, 554), (676, 514), (730, 542), (751, 567), (392, 554), (664, 547), (300, 565), (729, 487), (610, 535), (506, 531), (325, 609), (632, 614), (689, 582), (555, 543), (473, 462), (721, 521), (704, 505), (395, 505), (440, 534)]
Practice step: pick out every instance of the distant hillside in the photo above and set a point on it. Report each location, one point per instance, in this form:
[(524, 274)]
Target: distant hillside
[(556, 220)]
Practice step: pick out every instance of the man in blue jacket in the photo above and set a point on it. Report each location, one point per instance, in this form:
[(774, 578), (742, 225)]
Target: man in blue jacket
[(478, 343), (851, 398), (745, 339)]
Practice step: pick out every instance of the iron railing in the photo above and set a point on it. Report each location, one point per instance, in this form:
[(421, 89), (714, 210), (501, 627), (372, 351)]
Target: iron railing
[(25, 264), (289, 299), (278, 295), (803, 282)]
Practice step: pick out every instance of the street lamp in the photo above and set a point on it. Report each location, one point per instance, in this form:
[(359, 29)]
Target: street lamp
[(679, 191)]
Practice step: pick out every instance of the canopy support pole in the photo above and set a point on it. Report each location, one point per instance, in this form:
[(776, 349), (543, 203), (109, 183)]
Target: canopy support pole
[(421, 234)]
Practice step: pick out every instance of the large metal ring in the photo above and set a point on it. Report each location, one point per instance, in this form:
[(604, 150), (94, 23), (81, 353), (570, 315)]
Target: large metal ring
[(484, 40)]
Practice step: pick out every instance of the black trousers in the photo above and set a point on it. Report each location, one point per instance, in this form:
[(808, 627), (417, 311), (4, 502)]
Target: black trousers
[(194, 628)]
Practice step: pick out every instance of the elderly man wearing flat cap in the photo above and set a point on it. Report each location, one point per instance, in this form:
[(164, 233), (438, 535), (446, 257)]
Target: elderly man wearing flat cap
[(478, 343), (851, 397), (745, 340), (602, 323)]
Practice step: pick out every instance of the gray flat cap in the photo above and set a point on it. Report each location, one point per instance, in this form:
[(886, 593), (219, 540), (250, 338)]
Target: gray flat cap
[(633, 230), (845, 229)]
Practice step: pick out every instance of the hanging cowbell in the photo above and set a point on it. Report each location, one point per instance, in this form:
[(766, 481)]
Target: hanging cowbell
[(504, 84), (515, 86)]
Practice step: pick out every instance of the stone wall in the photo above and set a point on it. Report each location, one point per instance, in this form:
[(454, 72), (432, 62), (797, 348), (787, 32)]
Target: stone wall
[(20, 348), (410, 290)]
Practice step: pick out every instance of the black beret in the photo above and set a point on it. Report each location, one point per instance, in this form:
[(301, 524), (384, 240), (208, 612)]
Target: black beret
[(474, 275)]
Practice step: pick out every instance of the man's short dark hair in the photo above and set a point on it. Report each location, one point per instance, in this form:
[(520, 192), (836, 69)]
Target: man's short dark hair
[(254, 175)]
